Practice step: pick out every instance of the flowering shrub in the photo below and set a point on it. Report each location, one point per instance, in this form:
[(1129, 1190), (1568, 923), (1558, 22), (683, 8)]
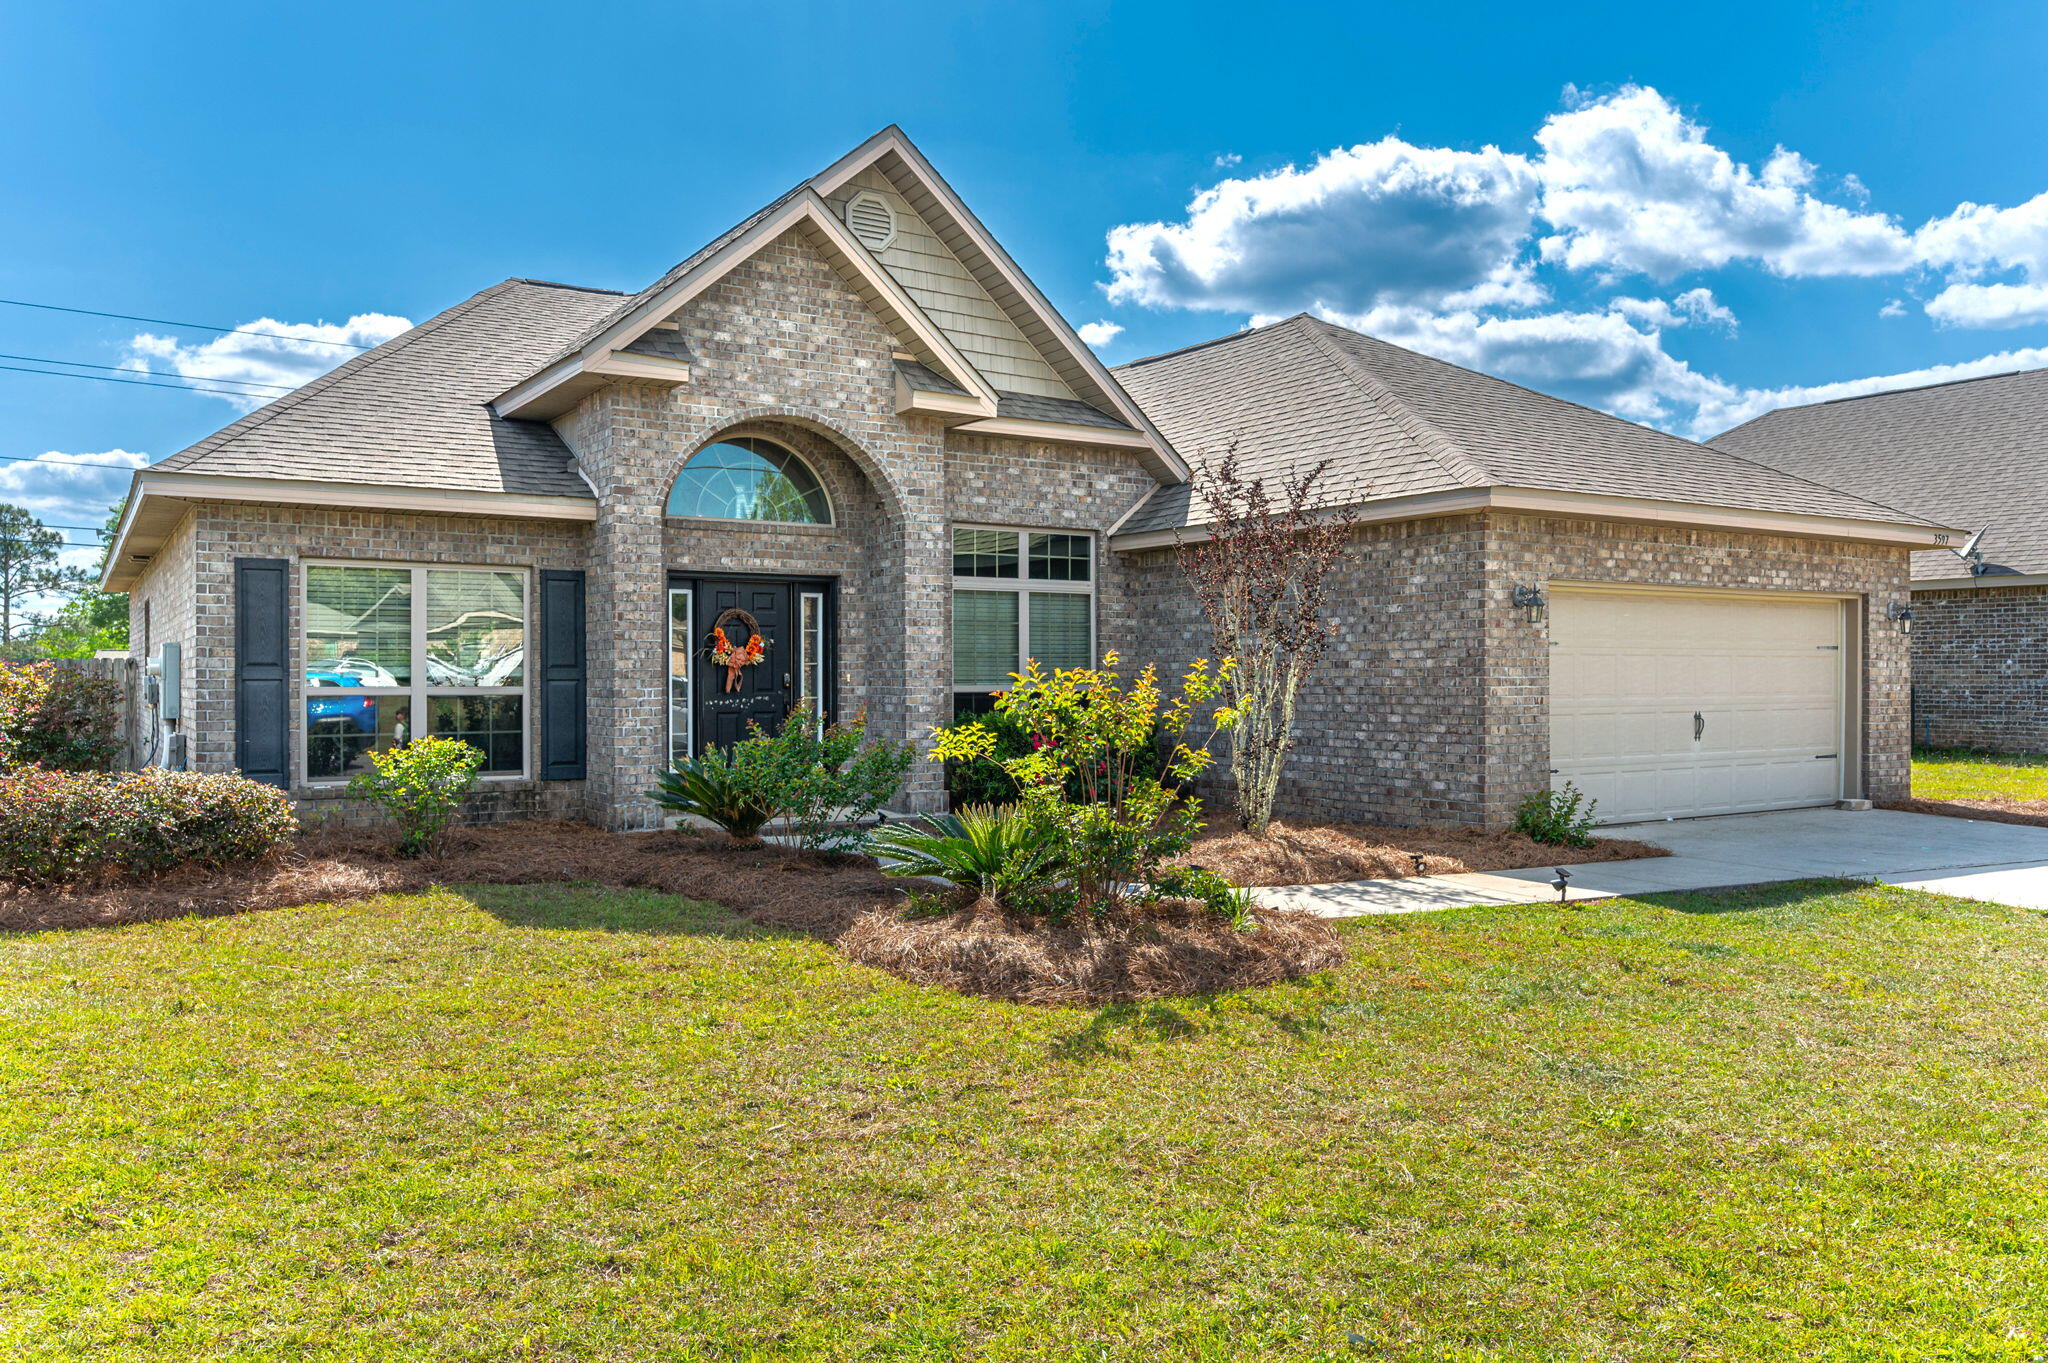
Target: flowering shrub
[(421, 784), (1091, 738), (60, 826), (58, 717), (984, 780)]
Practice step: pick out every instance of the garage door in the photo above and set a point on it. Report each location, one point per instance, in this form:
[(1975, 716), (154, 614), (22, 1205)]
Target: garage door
[(1664, 706)]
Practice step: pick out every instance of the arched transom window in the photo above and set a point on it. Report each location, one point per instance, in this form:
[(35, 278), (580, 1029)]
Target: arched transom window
[(749, 479)]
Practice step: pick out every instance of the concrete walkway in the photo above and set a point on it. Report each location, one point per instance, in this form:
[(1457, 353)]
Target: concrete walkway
[(2003, 863)]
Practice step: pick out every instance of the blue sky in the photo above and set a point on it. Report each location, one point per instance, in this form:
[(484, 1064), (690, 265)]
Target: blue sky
[(1682, 214)]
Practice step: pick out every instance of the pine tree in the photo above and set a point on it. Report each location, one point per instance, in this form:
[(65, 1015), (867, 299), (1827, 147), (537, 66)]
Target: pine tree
[(28, 567)]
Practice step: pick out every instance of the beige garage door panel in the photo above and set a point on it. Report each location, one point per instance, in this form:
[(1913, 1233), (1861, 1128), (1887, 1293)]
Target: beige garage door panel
[(1630, 671)]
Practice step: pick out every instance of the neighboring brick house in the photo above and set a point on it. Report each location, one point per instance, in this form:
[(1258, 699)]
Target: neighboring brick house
[(852, 425), (1974, 454)]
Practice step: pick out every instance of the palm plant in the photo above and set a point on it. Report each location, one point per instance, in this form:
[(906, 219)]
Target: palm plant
[(991, 849), (714, 789)]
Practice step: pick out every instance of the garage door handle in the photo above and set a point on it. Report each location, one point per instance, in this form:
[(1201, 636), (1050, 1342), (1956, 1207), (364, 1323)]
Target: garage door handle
[(1699, 725)]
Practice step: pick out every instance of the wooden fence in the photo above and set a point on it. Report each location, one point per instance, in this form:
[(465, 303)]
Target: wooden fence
[(136, 740)]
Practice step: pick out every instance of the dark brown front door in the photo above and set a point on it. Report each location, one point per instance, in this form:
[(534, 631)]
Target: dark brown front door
[(761, 693)]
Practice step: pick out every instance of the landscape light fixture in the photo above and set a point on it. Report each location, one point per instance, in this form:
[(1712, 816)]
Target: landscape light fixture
[(1530, 598), (1900, 614), (1563, 877)]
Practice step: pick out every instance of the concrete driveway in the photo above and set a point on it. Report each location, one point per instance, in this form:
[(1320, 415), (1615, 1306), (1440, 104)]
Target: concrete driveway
[(2004, 863)]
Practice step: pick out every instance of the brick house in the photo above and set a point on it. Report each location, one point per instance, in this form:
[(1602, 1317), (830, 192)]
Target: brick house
[(853, 426), (1973, 453)]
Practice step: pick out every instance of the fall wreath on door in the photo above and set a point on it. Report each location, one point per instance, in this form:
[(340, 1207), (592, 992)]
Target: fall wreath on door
[(735, 658)]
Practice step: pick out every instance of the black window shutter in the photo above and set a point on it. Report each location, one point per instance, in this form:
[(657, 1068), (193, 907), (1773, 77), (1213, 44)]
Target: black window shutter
[(563, 678), (263, 670)]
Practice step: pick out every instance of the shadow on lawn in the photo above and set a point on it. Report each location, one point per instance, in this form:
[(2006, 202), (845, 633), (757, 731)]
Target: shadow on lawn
[(586, 906), (1781, 894), (1114, 1030)]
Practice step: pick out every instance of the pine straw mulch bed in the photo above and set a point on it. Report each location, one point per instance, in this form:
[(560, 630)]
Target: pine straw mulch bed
[(1166, 952), (1991, 809), (1318, 854)]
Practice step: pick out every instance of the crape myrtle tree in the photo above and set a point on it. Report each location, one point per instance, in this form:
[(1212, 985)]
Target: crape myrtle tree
[(1263, 578)]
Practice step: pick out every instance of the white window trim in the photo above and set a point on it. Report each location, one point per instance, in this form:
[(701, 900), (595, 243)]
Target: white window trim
[(689, 679), (812, 678), (1023, 585), (419, 691)]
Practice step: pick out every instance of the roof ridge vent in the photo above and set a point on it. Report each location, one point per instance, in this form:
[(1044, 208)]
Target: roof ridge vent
[(871, 220)]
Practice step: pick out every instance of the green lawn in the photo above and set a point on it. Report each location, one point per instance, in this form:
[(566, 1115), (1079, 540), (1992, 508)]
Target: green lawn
[(1793, 1122), (1955, 774)]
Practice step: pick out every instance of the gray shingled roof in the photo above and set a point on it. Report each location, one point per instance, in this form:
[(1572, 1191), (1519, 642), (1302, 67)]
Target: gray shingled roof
[(1394, 423), (1022, 406), (412, 412), (625, 303), (922, 378), (1031, 407), (1970, 454)]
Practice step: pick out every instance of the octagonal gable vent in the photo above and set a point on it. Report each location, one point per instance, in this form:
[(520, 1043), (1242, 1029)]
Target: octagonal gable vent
[(873, 222)]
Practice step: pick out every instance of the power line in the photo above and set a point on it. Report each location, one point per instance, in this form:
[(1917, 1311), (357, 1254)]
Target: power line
[(196, 326), (120, 369), (67, 463), (137, 383)]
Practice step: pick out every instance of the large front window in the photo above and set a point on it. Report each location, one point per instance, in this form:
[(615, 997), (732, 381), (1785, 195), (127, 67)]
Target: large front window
[(393, 653), (1017, 595)]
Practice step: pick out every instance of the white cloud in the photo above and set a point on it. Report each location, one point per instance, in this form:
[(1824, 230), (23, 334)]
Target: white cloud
[(69, 489), (1693, 307), (291, 356), (1596, 358), (1227, 160), (1632, 185), (1365, 226), (1099, 334), (1746, 404), (1459, 253), (1990, 305), (1979, 236), (1980, 239)]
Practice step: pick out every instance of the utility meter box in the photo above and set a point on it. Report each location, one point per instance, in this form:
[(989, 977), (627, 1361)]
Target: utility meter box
[(170, 681)]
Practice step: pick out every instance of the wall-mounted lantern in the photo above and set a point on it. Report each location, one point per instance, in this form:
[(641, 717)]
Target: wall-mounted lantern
[(1900, 614), (1530, 598)]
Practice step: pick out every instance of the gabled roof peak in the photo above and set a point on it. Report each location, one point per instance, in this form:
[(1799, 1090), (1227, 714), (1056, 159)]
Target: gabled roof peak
[(585, 362)]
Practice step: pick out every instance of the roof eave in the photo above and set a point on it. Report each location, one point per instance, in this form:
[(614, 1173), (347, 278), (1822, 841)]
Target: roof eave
[(157, 503), (1963, 580), (1599, 506), (542, 395)]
